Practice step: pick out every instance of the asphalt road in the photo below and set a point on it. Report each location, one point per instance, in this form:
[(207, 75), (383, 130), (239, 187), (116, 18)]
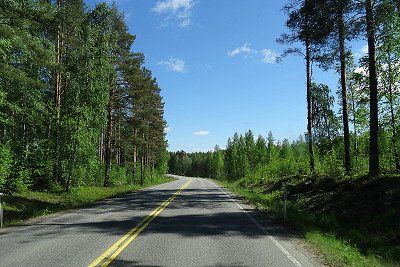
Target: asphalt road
[(187, 222)]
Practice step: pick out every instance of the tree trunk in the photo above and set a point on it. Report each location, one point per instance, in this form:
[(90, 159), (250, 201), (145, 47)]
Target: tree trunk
[(309, 115), (343, 81), (119, 143), (141, 170), (373, 92), (355, 128), (392, 119), (57, 102), (135, 156), (108, 147), (101, 145)]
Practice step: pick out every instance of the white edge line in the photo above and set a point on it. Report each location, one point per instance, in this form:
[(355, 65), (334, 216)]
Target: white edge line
[(281, 248)]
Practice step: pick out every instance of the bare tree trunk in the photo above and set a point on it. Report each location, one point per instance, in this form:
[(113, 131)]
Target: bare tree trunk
[(373, 92), (100, 148), (57, 102), (118, 141), (355, 128), (135, 156), (309, 113), (147, 155), (142, 162), (394, 134), (345, 116), (152, 170), (392, 119), (141, 170), (103, 145), (108, 147)]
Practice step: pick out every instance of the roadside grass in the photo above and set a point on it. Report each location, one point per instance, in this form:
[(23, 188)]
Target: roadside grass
[(341, 242), (30, 204)]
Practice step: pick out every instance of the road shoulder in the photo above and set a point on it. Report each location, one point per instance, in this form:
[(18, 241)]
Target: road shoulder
[(289, 238)]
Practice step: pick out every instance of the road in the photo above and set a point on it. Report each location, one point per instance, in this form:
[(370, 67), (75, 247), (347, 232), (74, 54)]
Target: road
[(187, 222)]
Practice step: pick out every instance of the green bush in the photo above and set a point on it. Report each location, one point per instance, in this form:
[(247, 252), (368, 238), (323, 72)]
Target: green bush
[(6, 163), (331, 165), (120, 175)]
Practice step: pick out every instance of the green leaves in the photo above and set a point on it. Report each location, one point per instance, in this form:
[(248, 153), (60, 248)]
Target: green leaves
[(58, 64)]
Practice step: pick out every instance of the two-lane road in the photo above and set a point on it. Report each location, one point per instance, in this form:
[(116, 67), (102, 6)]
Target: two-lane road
[(187, 222)]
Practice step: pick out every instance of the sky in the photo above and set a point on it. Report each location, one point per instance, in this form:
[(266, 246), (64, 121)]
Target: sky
[(215, 63)]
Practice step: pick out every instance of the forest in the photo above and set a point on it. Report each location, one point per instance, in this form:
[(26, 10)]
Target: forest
[(341, 178), (77, 106)]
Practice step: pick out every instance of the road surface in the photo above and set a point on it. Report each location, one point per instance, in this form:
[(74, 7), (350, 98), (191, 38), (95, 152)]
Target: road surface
[(187, 222)]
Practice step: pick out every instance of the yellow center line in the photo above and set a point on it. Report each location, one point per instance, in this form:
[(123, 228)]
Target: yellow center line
[(112, 252)]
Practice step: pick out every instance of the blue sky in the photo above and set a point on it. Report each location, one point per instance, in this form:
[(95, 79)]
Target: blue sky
[(214, 61)]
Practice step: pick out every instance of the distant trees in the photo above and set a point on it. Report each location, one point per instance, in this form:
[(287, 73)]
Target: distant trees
[(76, 105), (362, 137), (270, 160)]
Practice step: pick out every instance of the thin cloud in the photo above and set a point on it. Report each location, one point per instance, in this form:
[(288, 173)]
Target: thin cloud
[(201, 133), (364, 50), (178, 10), (244, 49), (174, 64), (269, 56)]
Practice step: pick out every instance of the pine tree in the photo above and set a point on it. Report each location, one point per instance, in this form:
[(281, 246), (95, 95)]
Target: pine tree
[(305, 21), (262, 152), (373, 90)]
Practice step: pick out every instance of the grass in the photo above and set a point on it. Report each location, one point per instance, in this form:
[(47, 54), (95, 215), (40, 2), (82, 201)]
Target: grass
[(30, 204), (341, 242)]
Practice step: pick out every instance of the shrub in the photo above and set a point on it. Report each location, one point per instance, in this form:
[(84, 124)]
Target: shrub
[(6, 163)]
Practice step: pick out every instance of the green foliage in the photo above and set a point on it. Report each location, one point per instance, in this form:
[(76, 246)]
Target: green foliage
[(339, 252), (6, 163), (64, 68), (331, 165)]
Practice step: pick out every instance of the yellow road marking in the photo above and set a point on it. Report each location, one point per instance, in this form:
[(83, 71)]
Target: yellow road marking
[(111, 253)]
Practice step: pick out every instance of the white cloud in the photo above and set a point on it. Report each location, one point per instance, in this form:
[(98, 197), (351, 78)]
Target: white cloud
[(364, 50), (269, 56), (180, 10), (201, 133), (167, 129), (244, 49), (174, 64), (361, 52), (361, 70)]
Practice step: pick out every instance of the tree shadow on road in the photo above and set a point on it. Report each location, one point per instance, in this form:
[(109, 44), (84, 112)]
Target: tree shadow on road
[(195, 212)]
